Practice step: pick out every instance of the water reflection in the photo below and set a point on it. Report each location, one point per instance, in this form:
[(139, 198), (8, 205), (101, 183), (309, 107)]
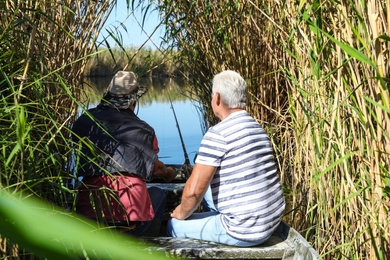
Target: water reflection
[(154, 108)]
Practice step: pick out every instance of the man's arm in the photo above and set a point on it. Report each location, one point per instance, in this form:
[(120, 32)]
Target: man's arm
[(194, 190)]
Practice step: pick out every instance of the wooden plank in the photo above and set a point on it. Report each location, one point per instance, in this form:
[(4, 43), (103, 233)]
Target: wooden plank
[(274, 248)]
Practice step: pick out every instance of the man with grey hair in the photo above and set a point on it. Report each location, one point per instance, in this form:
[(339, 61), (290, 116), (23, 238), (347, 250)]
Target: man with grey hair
[(234, 175), (118, 155)]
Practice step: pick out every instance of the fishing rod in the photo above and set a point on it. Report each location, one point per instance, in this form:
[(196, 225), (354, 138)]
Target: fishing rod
[(187, 163)]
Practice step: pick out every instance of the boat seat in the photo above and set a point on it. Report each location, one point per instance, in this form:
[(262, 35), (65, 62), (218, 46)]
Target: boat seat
[(286, 243)]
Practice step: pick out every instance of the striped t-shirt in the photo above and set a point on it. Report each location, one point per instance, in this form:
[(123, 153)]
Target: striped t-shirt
[(246, 187)]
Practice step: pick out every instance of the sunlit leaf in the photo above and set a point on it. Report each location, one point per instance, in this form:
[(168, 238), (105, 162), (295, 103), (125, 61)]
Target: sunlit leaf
[(55, 234)]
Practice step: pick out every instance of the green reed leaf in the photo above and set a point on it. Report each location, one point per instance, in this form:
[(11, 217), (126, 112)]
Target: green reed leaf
[(354, 53), (55, 234)]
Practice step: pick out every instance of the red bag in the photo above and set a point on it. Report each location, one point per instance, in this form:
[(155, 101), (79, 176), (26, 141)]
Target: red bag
[(116, 198)]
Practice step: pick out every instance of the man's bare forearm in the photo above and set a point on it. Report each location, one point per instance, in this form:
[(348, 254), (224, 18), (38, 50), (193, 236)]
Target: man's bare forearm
[(194, 190), (189, 203)]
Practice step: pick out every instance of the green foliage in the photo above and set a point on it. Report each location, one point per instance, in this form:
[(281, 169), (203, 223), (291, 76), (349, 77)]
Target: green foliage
[(318, 81), (52, 233), (44, 51), (144, 62)]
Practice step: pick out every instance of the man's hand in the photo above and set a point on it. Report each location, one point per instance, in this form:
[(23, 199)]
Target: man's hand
[(160, 171), (178, 214), (170, 174), (194, 190)]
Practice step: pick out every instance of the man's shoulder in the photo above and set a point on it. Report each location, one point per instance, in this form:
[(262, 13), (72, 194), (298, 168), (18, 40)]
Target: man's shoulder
[(106, 112), (237, 120)]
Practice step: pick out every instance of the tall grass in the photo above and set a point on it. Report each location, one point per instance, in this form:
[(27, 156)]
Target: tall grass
[(62, 235), (44, 49), (318, 78), (44, 46)]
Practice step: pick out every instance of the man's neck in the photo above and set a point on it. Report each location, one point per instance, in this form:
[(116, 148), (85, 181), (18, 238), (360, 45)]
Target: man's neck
[(226, 112)]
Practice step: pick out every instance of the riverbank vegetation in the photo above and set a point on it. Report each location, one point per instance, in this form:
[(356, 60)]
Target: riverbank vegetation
[(145, 62), (318, 76)]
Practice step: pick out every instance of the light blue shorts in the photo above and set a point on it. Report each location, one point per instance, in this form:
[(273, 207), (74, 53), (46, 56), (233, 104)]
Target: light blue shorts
[(206, 226)]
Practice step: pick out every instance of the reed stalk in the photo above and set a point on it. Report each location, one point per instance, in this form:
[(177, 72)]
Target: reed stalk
[(318, 82), (44, 49)]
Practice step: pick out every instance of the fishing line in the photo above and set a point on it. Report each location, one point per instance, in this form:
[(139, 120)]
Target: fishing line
[(187, 164)]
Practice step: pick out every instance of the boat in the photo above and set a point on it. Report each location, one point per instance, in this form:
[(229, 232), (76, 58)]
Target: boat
[(286, 243)]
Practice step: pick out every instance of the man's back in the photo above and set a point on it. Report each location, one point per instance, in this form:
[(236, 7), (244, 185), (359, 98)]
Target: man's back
[(119, 142), (245, 187)]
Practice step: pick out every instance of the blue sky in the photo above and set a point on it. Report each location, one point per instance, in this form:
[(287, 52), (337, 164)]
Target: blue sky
[(131, 33)]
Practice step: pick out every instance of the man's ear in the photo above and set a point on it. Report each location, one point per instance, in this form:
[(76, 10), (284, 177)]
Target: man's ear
[(217, 98), (133, 105)]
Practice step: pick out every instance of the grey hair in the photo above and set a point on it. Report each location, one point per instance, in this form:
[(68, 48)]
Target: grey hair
[(232, 88)]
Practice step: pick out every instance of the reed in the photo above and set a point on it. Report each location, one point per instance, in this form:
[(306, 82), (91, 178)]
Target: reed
[(62, 235), (44, 49), (318, 82), (145, 62)]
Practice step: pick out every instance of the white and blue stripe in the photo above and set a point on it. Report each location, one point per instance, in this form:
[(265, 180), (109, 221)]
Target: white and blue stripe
[(246, 187)]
